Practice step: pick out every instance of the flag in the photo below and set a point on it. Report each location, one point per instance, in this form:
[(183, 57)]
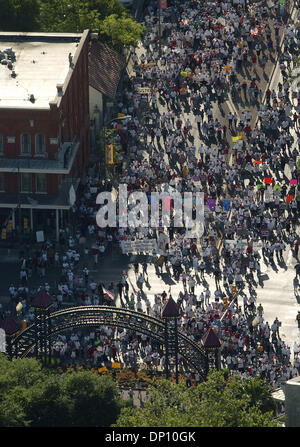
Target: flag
[(293, 181), (226, 205), (242, 19), (163, 4), (238, 137), (257, 162), (289, 198), (254, 32), (109, 293), (268, 180), (100, 370), (211, 204)]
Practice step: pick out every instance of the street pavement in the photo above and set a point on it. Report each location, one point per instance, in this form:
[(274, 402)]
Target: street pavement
[(276, 294)]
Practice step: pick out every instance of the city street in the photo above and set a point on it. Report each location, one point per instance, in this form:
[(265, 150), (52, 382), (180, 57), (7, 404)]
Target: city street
[(164, 140)]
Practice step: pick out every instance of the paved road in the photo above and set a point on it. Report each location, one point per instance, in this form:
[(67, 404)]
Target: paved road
[(277, 294)]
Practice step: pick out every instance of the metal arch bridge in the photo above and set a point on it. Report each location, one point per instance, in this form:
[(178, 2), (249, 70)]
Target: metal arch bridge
[(94, 316)]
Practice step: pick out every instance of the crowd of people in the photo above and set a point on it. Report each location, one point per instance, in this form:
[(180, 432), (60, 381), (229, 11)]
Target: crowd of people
[(246, 167)]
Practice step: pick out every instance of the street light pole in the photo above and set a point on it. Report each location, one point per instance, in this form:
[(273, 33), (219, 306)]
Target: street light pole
[(159, 29)]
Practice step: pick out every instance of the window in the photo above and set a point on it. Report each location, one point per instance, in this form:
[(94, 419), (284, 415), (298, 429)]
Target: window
[(40, 143), (1, 143), (2, 181), (25, 143), (41, 185), (26, 183)]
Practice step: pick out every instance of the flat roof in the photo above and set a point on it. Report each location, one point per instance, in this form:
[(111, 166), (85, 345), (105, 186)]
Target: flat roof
[(41, 62)]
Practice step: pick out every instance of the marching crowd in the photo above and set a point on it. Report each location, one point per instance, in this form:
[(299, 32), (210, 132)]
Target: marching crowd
[(208, 53)]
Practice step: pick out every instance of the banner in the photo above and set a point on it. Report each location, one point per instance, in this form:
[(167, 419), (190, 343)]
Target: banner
[(212, 204), (100, 370), (144, 90), (226, 205), (142, 245), (116, 365), (293, 181), (40, 236), (110, 154)]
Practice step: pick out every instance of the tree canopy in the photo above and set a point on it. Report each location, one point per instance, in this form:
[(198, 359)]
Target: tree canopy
[(109, 18), (222, 401), (34, 397), (19, 15), (121, 31)]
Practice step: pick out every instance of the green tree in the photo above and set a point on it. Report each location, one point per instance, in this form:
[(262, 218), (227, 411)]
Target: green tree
[(121, 31), (107, 7), (221, 401), (68, 16), (91, 399), (35, 397), (19, 15), (108, 17)]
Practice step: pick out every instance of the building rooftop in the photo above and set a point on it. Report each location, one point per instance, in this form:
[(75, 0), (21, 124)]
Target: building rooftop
[(40, 62), (105, 68)]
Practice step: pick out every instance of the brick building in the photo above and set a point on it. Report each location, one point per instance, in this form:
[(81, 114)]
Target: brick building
[(44, 125)]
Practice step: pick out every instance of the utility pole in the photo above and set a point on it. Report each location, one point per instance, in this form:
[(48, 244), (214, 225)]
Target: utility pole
[(159, 29), (19, 199)]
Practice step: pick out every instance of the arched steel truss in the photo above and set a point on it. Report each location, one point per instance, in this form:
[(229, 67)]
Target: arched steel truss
[(95, 316)]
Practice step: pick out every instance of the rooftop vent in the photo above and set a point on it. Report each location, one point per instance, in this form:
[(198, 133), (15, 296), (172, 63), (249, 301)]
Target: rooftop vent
[(94, 36), (59, 89), (32, 98), (13, 74)]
